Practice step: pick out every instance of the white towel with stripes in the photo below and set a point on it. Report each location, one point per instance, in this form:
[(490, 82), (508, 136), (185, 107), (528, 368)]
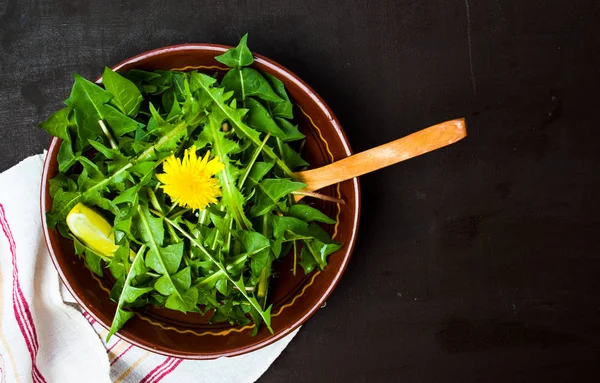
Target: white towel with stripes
[(46, 338)]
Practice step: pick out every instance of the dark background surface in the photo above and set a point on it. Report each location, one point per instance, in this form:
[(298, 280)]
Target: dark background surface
[(478, 262)]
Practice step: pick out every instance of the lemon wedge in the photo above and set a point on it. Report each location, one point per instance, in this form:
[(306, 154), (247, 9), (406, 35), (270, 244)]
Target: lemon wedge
[(92, 229)]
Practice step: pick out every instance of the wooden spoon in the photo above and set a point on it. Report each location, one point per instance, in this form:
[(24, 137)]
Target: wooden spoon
[(402, 149)]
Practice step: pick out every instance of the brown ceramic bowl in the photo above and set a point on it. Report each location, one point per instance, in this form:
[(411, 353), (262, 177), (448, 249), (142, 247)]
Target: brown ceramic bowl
[(294, 298)]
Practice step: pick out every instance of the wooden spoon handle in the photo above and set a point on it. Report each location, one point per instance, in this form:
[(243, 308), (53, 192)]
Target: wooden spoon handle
[(402, 149)]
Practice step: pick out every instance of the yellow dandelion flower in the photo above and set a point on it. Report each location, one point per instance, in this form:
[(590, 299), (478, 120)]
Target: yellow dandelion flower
[(190, 182)]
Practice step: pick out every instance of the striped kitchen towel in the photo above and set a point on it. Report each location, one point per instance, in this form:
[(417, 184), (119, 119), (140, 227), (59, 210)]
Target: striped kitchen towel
[(45, 337)]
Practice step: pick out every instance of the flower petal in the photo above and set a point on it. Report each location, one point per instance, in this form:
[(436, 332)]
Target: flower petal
[(189, 181)]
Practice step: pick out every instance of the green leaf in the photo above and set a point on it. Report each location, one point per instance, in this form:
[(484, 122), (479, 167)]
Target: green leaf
[(223, 286), (156, 122), (118, 122), (62, 203), (181, 280), (168, 98), (260, 119), (217, 137), (115, 291), (58, 124), (207, 298), (66, 157), (112, 154), (317, 232), (97, 199), (277, 188), (168, 141), (308, 214), (153, 231), (291, 131), (237, 57), (184, 302), (164, 81), (316, 250), (232, 198), (308, 262), (123, 223), (61, 181), (175, 112), (284, 107), (143, 168), (179, 80), (90, 169), (140, 76), (265, 314), (276, 246), (259, 171), (243, 131), (258, 262), (151, 83), (130, 196), (126, 96), (209, 281), (129, 293), (224, 312), (254, 242), (262, 205), (95, 183), (87, 100), (221, 224), (271, 190), (121, 316), (119, 264), (193, 108), (247, 82), (157, 299), (320, 251), (165, 260), (292, 158), (93, 262), (294, 225), (122, 227)]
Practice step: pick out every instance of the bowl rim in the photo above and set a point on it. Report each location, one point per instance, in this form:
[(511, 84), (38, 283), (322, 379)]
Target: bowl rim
[(334, 124)]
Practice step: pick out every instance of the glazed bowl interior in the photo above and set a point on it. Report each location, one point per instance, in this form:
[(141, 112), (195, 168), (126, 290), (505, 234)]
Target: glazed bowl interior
[(294, 298)]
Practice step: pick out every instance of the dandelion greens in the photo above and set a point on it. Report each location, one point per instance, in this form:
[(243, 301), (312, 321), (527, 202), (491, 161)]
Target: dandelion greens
[(191, 178)]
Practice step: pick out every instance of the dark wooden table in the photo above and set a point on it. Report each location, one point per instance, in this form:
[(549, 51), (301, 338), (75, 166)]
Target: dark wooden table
[(479, 262)]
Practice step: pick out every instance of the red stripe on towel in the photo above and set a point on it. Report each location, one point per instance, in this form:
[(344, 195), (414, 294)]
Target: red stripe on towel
[(156, 370), (121, 354), (20, 306), (172, 368)]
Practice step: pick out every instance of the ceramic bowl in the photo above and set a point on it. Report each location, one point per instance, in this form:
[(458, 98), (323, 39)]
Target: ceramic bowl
[(294, 298)]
